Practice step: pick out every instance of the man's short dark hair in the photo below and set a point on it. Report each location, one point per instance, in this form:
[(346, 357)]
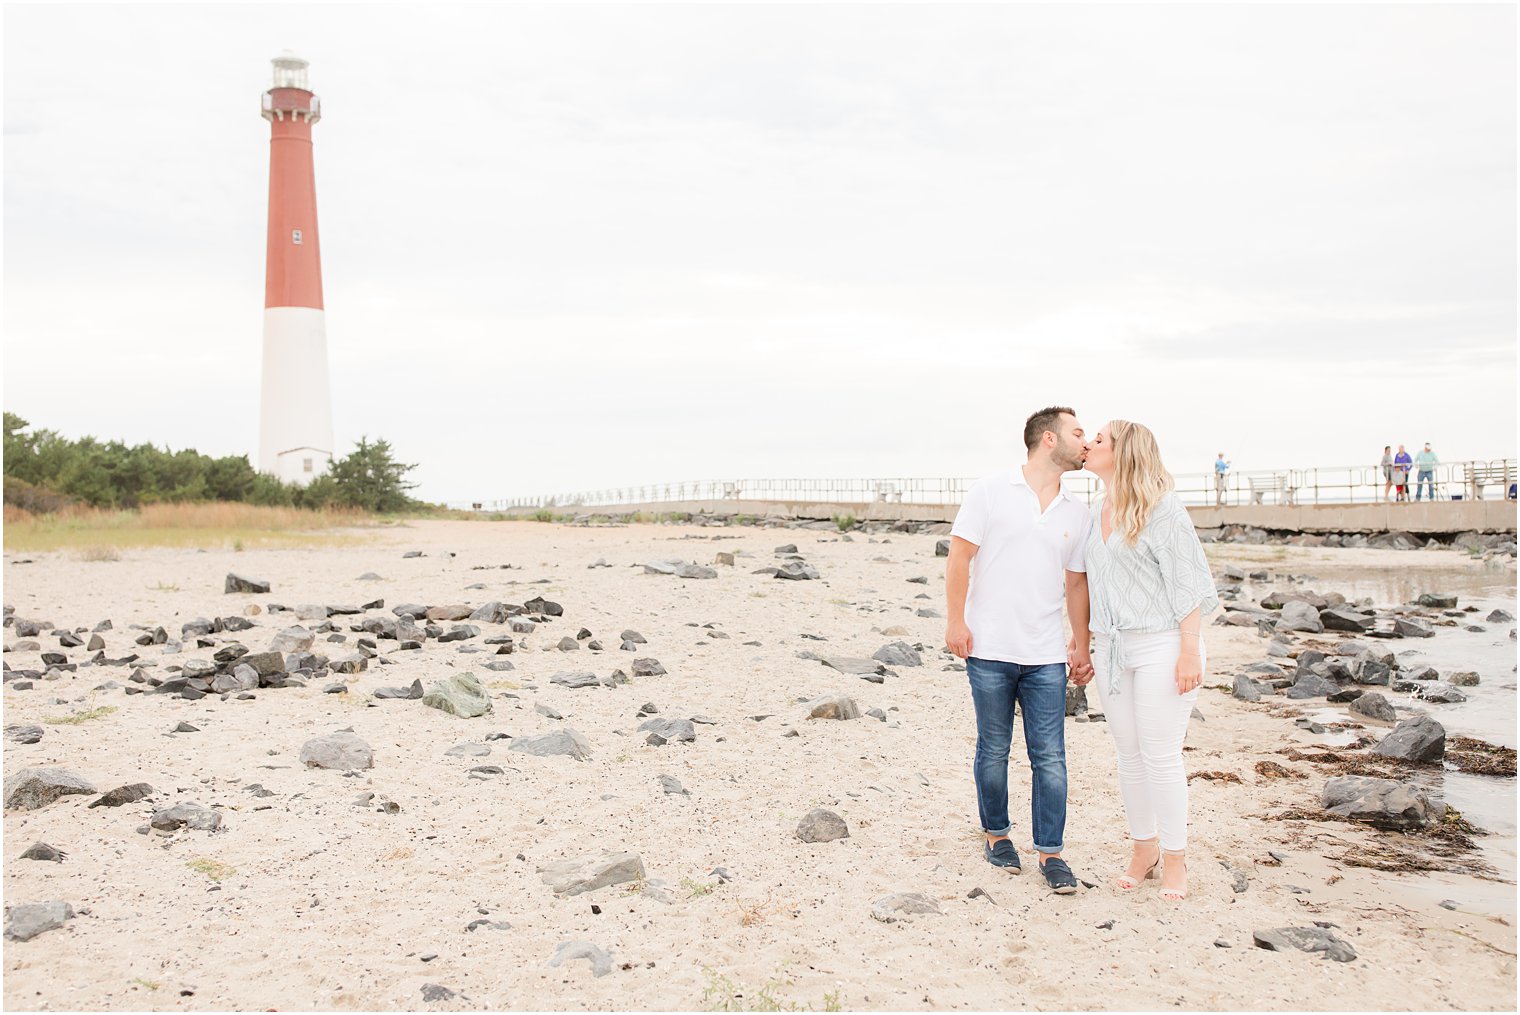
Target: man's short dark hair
[(1036, 425)]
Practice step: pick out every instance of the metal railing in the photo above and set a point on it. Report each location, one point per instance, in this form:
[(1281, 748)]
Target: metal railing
[(1350, 484)]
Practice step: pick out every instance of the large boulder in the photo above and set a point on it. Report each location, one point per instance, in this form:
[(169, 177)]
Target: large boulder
[(898, 653), (822, 826), (1299, 616), (1076, 699), (270, 666), (833, 706), (1370, 668), (855, 665), (1413, 627), (601, 961), (901, 905), (455, 611), (413, 692), (1441, 692), (26, 921), (128, 794), (1438, 601), (491, 613), (1383, 803), (1312, 685), (592, 871), (242, 678), (292, 639), (342, 752), (1373, 705), (460, 694), (797, 570), (665, 730), (566, 742), (1344, 618), (1245, 688), (32, 734), (33, 788), (1305, 939), (1419, 738), (242, 583), (186, 815)]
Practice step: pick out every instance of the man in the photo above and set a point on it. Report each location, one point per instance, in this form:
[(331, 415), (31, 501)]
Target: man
[(1220, 468), (1425, 475), (1401, 464), (1004, 618)]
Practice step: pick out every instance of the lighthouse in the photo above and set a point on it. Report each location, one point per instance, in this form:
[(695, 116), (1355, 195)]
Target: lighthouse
[(295, 413)]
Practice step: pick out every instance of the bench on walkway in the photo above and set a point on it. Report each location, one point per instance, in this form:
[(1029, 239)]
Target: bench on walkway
[(1277, 485), (1479, 476)]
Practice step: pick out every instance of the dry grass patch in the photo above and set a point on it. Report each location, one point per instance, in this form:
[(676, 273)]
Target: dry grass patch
[(79, 718), (213, 869), (399, 853), (213, 526)]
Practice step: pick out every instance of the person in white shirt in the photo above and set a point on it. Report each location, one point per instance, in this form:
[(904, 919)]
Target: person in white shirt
[(1016, 552), (1151, 589)]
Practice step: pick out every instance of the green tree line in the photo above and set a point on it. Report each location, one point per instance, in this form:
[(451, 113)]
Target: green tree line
[(45, 471)]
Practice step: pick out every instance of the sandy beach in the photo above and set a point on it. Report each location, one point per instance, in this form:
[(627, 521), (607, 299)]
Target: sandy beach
[(305, 899)]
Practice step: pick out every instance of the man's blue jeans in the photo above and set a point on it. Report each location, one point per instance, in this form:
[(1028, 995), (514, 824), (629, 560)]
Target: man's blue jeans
[(1040, 692), (1426, 480)]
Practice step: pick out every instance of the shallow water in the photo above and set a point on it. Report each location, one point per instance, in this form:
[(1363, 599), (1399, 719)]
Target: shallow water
[(1490, 710)]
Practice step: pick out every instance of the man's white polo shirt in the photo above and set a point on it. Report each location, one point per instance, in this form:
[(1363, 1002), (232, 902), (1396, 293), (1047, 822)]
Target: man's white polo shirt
[(1018, 576)]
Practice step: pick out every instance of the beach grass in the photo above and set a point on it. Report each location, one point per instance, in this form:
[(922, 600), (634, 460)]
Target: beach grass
[(213, 869), (97, 534), (79, 718)]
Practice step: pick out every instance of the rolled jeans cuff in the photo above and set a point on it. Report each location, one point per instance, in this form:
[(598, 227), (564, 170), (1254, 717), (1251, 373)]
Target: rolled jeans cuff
[(1005, 833)]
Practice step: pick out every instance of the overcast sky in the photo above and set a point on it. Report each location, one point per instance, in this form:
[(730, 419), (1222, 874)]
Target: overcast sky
[(571, 247)]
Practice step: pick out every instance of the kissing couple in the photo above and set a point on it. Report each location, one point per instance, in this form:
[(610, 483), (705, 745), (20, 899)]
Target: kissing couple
[(1136, 587)]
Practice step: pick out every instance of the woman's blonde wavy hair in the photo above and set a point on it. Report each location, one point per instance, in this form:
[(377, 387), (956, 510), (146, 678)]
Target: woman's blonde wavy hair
[(1140, 478)]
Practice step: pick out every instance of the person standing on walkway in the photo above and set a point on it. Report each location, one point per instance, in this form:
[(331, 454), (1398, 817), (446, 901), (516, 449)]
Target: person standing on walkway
[(1425, 475), (1401, 464), (1387, 464), (1221, 467), (1151, 588), (1015, 550)]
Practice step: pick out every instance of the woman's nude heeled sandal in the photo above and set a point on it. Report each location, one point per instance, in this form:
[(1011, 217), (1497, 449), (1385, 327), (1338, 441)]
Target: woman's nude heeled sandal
[(1128, 883), (1174, 894)]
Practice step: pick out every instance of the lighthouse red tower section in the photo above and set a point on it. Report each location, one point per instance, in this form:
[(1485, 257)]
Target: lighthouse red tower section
[(293, 269)]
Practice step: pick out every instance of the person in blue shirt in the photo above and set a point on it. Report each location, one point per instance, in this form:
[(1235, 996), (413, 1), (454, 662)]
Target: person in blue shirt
[(1425, 473), (1401, 463), (1220, 468)]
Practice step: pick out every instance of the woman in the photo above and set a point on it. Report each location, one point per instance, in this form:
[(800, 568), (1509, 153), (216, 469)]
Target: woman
[(1150, 587), (1387, 472)]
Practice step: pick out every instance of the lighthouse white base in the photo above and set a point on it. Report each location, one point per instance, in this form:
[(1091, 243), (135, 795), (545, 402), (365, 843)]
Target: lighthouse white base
[(295, 410)]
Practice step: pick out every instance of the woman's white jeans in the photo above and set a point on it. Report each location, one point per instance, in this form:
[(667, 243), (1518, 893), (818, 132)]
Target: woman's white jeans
[(1148, 720)]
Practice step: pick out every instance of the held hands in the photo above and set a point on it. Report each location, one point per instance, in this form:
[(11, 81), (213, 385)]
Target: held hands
[(958, 638), (1079, 663), (1189, 672)]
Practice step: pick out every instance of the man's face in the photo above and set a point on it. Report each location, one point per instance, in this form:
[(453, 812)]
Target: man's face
[(1070, 449)]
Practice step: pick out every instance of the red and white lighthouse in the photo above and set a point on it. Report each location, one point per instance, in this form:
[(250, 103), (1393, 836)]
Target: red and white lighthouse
[(295, 422)]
